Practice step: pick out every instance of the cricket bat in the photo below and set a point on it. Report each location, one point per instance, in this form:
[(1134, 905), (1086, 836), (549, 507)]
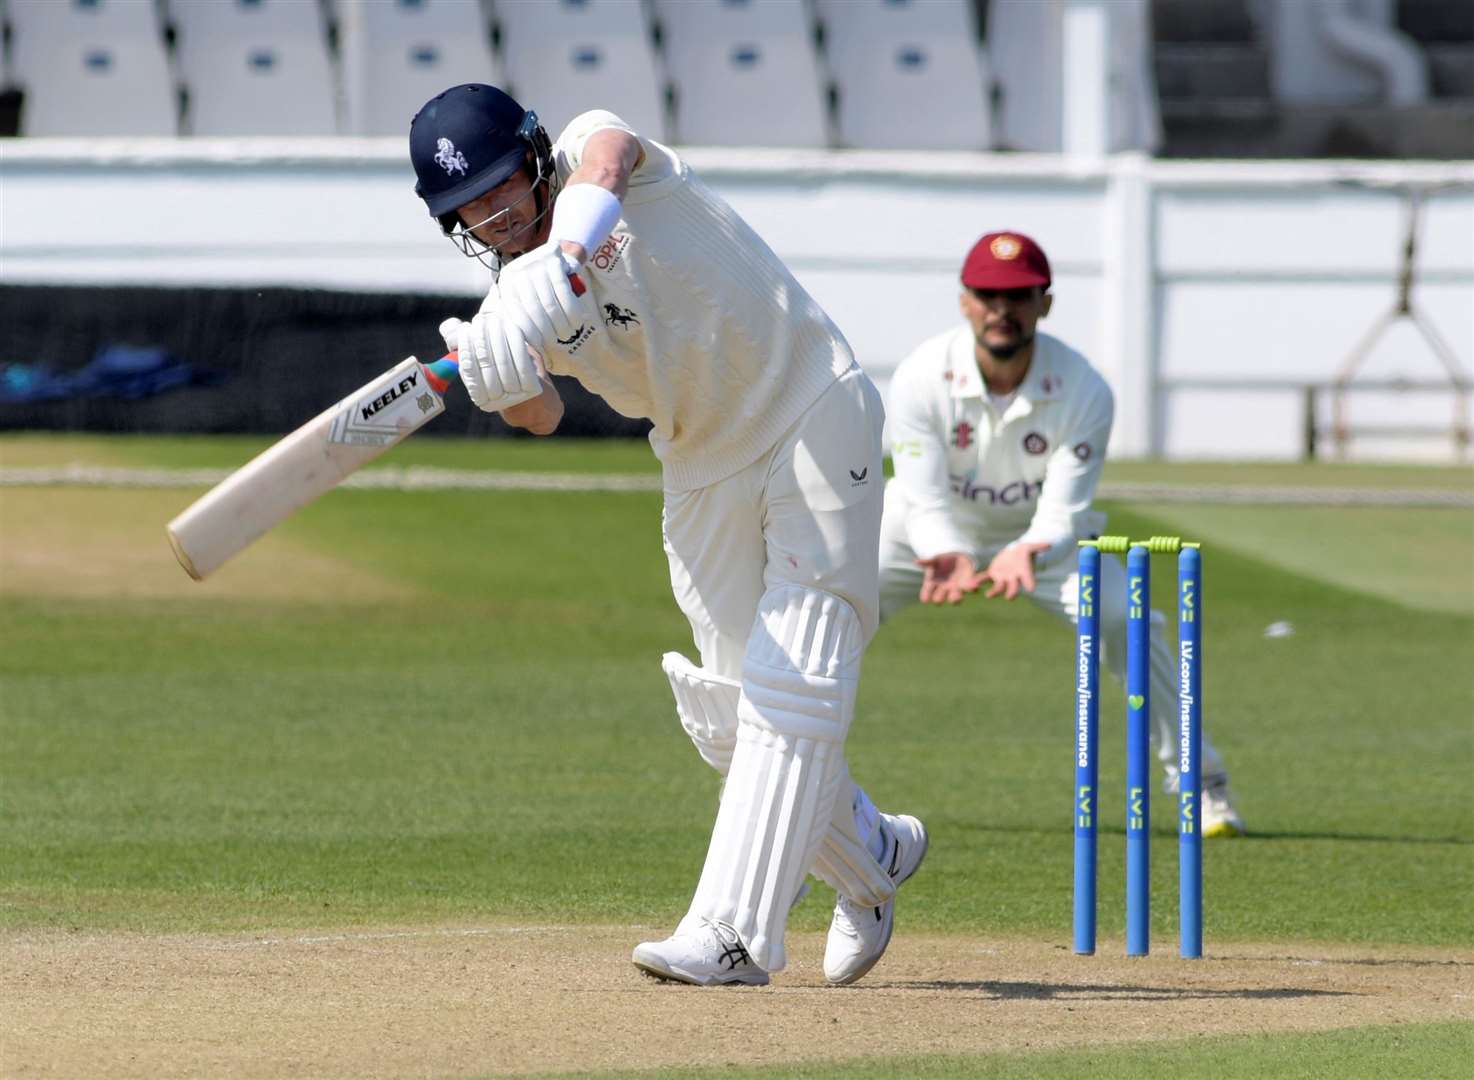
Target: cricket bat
[(310, 461)]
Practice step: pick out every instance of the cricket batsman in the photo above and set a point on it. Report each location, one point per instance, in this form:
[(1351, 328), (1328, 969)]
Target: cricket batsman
[(617, 266), (999, 435)]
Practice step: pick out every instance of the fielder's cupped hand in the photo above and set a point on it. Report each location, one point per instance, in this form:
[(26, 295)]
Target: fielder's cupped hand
[(537, 295), (1012, 570), (497, 368), (948, 577)]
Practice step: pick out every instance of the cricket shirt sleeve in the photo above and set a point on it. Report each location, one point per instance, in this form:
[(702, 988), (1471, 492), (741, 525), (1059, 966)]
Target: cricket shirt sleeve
[(656, 164), (919, 455), (1064, 515)]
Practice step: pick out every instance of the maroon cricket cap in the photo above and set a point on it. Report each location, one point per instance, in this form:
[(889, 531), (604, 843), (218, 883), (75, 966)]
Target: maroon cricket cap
[(1005, 260)]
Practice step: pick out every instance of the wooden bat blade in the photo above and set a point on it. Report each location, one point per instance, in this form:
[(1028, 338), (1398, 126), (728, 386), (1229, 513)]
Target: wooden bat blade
[(304, 465)]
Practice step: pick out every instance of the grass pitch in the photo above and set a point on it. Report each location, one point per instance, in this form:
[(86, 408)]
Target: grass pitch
[(412, 707)]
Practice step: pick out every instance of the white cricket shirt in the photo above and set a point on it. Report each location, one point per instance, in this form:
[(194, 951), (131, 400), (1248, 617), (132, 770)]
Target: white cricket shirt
[(705, 332), (976, 478)]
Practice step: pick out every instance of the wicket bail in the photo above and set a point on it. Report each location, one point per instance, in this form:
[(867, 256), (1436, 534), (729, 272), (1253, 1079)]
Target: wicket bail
[(1138, 755)]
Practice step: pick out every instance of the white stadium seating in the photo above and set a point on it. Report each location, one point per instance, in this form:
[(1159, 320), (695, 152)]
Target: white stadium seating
[(910, 74), (564, 57), (209, 22), (906, 74), (91, 67), (847, 21), (745, 72), (255, 67), (398, 54)]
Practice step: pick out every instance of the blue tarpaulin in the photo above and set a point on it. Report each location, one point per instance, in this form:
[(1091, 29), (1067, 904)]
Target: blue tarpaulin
[(119, 371)]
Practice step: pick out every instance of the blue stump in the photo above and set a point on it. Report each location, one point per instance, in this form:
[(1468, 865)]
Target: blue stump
[(1087, 739), (1138, 788), (1189, 738)]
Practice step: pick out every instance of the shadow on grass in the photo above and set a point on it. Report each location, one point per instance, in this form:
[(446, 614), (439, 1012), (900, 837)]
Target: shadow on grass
[(1347, 961), (1254, 834), (1037, 991), (1361, 838)]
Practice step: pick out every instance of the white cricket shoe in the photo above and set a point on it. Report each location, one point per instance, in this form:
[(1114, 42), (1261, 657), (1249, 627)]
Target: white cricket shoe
[(1220, 819), (702, 952), (858, 936)]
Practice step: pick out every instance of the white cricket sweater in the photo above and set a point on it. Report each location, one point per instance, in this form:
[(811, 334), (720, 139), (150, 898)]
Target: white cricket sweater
[(975, 479), (705, 332)]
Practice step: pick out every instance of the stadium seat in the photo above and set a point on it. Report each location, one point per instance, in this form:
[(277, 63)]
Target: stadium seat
[(910, 74), (255, 67), (209, 22), (40, 24), (91, 67), (745, 73), (847, 21), (564, 57), (398, 54)]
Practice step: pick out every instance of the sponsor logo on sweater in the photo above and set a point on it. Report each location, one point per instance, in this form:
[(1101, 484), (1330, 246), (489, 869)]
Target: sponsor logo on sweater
[(608, 254), (576, 340), (1019, 491)]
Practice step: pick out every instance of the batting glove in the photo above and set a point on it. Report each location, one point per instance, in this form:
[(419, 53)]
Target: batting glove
[(497, 368), (536, 294)]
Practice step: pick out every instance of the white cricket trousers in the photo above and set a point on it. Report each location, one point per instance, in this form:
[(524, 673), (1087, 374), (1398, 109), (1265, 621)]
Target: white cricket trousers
[(1057, 591), (807, 512)]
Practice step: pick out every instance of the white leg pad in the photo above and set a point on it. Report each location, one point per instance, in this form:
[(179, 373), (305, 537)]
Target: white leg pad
[(799, 681), (707, 706), (844, 861)]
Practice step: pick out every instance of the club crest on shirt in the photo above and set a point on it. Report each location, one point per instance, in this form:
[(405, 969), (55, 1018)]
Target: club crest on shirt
[(1034, 443), (1005, 248), (962, 435), (624, 318), (1082, 451), (607, 255)]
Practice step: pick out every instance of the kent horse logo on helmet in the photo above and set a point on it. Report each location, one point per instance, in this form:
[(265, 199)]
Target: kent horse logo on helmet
[(449, 158)]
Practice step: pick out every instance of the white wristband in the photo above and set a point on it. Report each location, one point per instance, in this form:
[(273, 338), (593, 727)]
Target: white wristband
[(584, 214)]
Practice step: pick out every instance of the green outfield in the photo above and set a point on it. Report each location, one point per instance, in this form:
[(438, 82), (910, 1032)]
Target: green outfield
[(416, 708)]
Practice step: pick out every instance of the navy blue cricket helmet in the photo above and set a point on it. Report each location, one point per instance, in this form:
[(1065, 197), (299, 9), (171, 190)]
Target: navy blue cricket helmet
[(466, 141)]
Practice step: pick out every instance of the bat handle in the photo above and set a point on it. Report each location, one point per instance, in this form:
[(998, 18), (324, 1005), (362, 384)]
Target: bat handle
[(441, 373)]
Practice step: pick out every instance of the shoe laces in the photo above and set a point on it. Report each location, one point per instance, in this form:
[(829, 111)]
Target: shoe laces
[(727, 943)]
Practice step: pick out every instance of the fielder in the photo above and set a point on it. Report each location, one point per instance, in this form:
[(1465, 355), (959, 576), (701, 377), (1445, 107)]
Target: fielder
[(998, 439), (769, 437)]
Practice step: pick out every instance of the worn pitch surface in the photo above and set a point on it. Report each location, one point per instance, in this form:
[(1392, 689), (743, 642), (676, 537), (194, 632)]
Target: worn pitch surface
[(467, 1001)]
